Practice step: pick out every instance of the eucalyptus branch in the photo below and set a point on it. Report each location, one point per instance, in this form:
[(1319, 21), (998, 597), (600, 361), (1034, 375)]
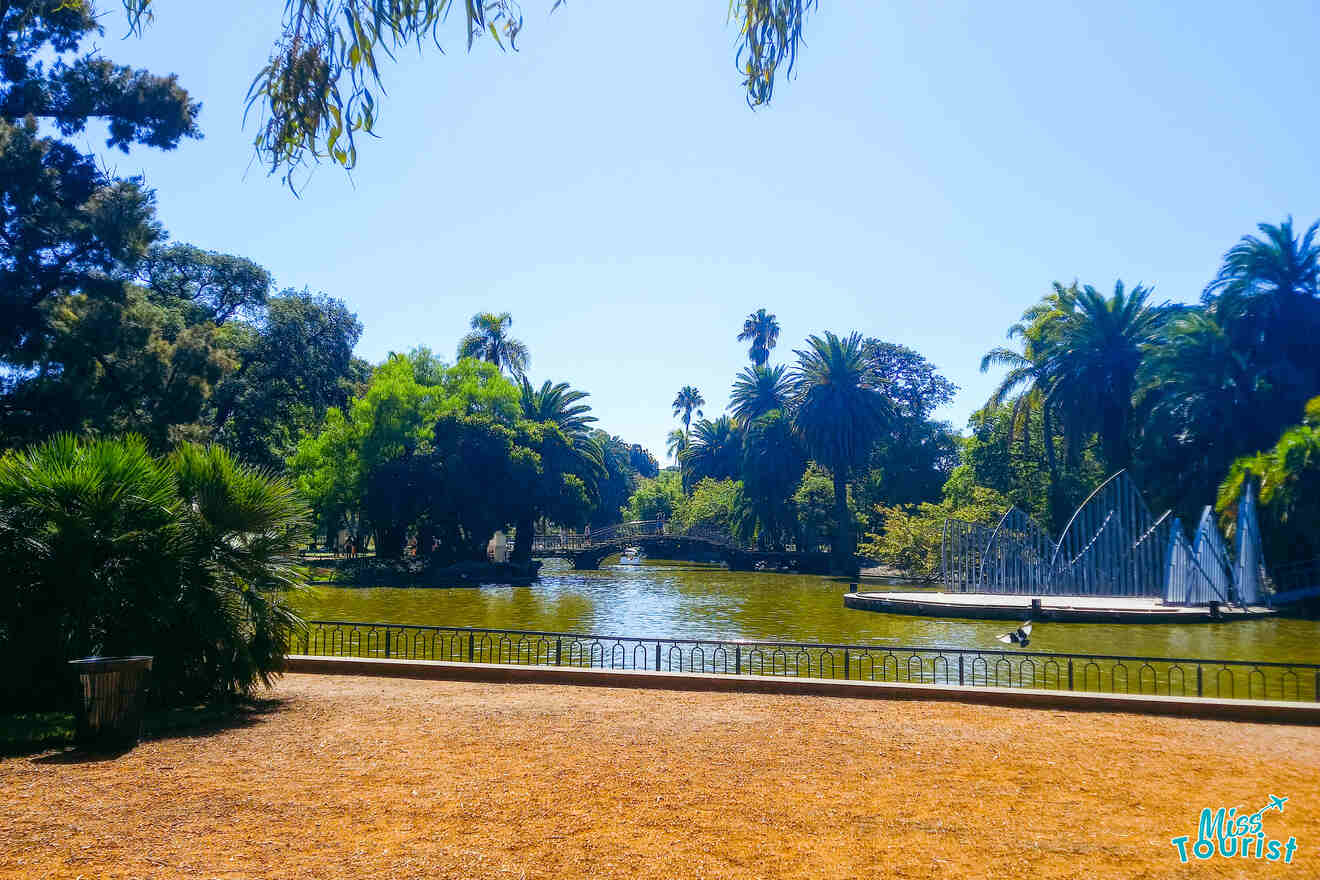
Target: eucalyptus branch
[(322, 86)]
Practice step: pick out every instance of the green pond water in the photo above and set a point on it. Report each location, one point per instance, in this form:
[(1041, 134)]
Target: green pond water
[(690, 600)]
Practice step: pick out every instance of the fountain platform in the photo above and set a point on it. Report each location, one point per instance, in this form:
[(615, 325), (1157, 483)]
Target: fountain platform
[(1075, 609)]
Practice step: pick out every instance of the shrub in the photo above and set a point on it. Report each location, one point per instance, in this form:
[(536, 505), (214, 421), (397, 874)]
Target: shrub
[(106, 550), (912, 533)]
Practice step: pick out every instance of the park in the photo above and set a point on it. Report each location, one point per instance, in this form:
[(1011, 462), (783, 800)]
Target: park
[(453, 439)]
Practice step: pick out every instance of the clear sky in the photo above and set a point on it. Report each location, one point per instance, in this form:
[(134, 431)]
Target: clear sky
[(927, 174)]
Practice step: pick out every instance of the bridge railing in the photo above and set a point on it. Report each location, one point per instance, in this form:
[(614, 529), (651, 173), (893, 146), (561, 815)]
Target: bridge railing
[(924, 664), (636, 529)]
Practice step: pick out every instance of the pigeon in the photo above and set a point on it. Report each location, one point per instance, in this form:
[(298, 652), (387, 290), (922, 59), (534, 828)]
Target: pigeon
[(1022, 636)]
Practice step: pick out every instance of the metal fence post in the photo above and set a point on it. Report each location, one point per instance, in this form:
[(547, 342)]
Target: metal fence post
[(960, 670), (1198, 679), (1070, 680), (559, 651), (847, 664), (472, 642), (387, 644), (737, 664), (657, 656)]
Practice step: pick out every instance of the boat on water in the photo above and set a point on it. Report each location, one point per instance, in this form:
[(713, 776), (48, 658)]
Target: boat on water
[(631, 556)]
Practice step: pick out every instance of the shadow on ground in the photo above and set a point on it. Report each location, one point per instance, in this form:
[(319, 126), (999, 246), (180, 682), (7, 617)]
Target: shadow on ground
[(32, 732)]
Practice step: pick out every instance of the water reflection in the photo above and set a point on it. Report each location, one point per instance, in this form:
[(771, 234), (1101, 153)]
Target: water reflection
[(681, 599)]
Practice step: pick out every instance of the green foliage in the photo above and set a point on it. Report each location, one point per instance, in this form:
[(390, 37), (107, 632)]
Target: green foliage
[(137, 106), (711, 505), (321, 87), (911, 534), (107, 550), (363, 459), (1289, 480), (911, 461), (660, 497), (621, 477), (840, 413), (815, 508), (67, 228), (193, 347), (772, 467)]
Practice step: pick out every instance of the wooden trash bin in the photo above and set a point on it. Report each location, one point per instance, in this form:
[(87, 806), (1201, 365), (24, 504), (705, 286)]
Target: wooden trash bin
[(112, 697)]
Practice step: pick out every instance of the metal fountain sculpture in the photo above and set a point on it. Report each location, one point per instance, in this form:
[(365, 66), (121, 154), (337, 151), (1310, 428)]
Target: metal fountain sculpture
[(1112, 546)]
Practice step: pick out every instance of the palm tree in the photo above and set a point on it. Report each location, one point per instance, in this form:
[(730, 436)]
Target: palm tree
[(840, 413), (489, 341), (1267, 298), (688, 401), (1192, 391), (1094, 352), (676, 444), (716, 451), (758, 390), (762, 330), (561, 406)]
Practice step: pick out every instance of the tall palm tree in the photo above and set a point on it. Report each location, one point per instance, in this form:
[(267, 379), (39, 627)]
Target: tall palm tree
[(716, 450), (761, 329), (1267, 298), (561, 406), (840, 413), (758, 390), (1094, 352), (1192, 391), (688, 401), (676, 444), (489, 340)]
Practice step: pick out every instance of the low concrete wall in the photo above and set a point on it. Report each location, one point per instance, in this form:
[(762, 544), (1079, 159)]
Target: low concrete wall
[(1191, 707)]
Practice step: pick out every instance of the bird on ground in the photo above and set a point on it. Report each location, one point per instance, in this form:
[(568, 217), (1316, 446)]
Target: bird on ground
[(1021, 636)]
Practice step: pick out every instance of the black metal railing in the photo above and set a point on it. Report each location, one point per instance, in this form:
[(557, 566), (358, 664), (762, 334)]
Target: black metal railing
[(1096, 673)]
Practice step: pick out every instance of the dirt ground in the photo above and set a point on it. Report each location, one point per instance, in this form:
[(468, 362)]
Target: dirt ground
[(357, 777)]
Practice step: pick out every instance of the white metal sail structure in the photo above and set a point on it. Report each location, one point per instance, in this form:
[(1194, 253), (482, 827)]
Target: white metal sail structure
[(1249, 568), (1215, 565), (1112, 546)]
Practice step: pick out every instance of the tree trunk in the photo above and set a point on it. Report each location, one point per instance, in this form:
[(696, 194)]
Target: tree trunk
[(522, 541), (841, 544)]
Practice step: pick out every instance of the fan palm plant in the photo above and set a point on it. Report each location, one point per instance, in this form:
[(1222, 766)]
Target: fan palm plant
[(761, 329), (489, 340), (840, 413), (105, 550)]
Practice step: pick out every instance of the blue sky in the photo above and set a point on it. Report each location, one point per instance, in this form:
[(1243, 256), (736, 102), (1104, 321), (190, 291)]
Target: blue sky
[(927, 174)]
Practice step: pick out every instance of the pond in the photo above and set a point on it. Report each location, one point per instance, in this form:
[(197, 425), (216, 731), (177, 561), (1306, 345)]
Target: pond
[(690, 600)]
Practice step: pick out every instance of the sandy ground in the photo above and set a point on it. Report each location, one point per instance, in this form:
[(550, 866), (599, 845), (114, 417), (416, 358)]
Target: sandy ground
[(357, 777)]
